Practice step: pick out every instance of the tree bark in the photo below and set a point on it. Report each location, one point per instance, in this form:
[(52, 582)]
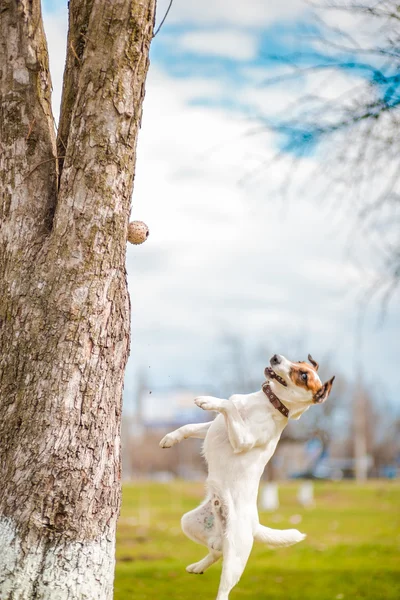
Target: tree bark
[(64, 308)]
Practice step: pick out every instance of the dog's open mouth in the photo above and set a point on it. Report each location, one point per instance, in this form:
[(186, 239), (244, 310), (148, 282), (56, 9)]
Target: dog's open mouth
[(272, 375)]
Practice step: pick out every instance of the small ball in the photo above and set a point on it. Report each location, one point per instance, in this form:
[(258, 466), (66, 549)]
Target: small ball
[(138, 232)]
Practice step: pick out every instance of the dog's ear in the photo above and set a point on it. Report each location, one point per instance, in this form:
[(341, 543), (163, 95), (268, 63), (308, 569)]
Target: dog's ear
[(324, 392), (313, 362)]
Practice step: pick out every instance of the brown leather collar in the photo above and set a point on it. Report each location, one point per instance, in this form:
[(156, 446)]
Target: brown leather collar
[(276, 403)]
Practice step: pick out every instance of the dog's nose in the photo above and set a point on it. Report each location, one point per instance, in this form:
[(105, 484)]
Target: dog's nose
[(276, 359)]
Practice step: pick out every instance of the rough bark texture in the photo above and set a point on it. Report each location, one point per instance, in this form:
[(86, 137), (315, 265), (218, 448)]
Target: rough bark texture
[(64, 307)]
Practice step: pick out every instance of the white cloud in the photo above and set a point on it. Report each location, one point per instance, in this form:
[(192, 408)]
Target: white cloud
[(245, 13), (272, 99), (227, 43)]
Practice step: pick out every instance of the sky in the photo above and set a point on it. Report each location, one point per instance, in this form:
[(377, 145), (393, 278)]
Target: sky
[(227, 256)]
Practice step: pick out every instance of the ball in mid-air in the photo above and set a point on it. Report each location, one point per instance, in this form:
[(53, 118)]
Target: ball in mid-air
[(138, 232)]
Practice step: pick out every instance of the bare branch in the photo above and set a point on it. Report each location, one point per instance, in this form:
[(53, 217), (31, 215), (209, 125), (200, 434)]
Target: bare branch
[(354, 136), (164, 18), (27, 135), (79, 13)]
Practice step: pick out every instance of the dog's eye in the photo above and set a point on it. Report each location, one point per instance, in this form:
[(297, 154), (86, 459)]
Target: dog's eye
[(304, 376)]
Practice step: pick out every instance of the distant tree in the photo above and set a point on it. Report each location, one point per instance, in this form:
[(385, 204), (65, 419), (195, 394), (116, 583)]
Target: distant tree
[(373, 440), (64, 305), (386, 450)]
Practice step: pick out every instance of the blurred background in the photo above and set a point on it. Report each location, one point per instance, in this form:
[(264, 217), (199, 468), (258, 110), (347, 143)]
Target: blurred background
[(268, 174)]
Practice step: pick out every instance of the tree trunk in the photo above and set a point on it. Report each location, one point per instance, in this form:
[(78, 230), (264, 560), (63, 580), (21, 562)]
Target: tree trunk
[(360, 433), (64, 307)]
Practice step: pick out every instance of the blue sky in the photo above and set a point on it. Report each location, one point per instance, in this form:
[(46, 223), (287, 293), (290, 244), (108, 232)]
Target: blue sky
[(226, 255)]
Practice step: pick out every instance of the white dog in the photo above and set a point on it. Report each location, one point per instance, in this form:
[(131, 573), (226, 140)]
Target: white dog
[(238, 444)]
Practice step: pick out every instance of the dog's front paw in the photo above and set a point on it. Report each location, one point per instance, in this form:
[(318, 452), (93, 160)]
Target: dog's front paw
[(168, 441), (208, 403)]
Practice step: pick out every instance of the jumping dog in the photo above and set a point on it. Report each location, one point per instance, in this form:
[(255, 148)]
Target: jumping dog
[(238, 444)]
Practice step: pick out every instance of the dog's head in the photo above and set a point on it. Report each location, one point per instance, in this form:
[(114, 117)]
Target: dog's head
[(298, 381)]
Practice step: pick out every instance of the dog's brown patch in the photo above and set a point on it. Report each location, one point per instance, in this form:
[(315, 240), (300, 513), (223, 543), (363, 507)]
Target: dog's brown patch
[(220, 511), (311, 382)]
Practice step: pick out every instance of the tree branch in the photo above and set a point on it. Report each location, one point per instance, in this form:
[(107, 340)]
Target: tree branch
[(79, 13), (97, 178), (27, 135)]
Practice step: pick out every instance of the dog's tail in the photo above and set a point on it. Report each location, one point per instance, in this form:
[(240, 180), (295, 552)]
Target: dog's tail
[(276, 538)]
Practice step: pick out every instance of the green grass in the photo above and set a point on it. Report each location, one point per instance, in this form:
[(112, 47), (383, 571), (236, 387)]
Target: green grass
[(352, 548)]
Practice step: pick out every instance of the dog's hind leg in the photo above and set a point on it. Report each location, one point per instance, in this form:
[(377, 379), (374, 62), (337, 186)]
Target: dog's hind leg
[(237, 545), (192, 526), (201, 526), (205, 563)]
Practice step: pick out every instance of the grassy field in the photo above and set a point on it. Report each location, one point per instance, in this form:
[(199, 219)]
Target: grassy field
[(352, 548)]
